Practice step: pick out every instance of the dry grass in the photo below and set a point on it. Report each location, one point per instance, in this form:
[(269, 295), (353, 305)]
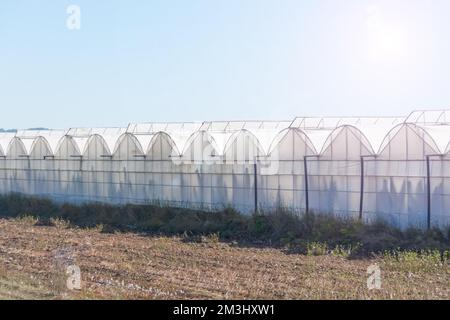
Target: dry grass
[(33, 260)]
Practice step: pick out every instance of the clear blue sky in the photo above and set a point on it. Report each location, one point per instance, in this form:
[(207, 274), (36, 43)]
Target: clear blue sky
[(178, 60)]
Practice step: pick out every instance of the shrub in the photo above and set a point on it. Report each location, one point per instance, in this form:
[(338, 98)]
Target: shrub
[(311, 233), (316, 249)]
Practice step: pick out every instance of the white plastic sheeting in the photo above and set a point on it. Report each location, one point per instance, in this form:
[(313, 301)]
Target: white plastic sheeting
[(247, 165)]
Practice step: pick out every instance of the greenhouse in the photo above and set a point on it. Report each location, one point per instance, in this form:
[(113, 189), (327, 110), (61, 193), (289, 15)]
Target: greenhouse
[(392, 168)]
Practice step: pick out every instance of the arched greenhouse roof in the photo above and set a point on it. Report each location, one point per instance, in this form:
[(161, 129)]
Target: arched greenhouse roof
[(51, 138), (423, 134), (234, 138), (179, 132), (5, 140), (354, 131), (300, 133), (319, 133), (108, 136)]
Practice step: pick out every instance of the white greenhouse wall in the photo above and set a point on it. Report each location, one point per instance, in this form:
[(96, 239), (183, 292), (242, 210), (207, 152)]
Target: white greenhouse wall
[(212, 165)]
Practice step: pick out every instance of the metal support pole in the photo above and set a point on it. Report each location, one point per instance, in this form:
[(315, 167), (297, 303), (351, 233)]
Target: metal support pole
[(305, 165), (429, 187), (255, 170), (428, 194), (361, 192), (361, 196)]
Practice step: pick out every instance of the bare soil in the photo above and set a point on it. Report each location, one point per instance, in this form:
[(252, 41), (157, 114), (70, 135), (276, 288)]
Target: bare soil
[(34, 260)]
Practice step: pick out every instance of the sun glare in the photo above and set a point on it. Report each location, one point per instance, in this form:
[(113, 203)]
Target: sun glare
[(386, 41)]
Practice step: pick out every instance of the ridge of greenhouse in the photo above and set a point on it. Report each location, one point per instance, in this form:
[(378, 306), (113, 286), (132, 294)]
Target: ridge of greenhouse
[(375, 132)]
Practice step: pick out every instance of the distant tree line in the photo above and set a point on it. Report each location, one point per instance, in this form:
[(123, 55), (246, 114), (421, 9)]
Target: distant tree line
[(15, 130)]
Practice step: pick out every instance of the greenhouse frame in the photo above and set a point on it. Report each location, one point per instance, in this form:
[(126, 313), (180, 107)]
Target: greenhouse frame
[(390, 168)]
